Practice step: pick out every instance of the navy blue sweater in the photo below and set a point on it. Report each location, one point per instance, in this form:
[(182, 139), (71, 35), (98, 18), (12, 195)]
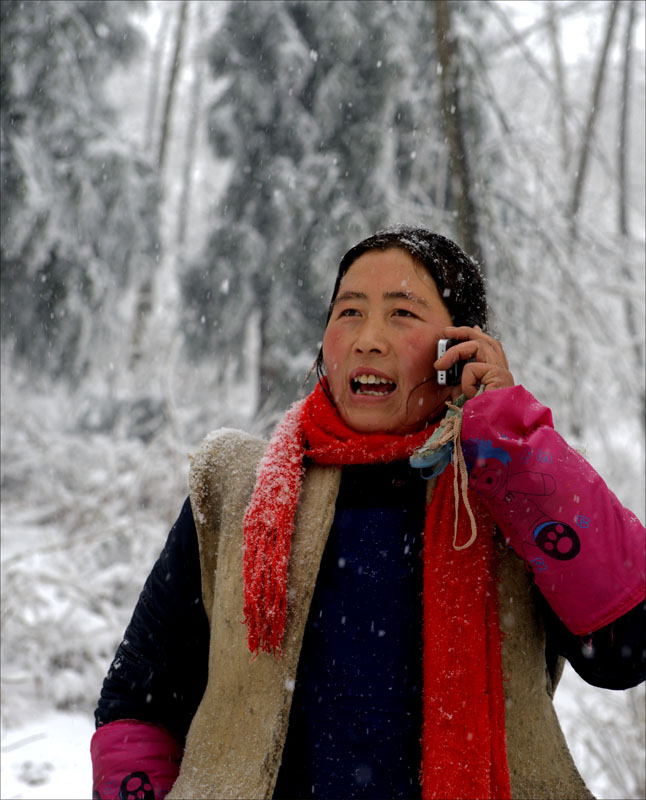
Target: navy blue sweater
[(356, 716)]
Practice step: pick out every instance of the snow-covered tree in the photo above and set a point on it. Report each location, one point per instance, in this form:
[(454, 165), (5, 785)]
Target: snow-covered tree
[(79, 205), (307, 117)]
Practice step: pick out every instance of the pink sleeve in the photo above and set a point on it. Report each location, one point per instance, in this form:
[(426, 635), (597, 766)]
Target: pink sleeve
[(585, 549), (133, 759)]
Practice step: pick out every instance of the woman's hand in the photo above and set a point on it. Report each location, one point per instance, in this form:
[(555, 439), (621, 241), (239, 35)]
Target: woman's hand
[(488, 366)]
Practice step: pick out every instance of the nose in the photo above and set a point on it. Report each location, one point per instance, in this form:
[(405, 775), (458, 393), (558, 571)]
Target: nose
[(371, 338)]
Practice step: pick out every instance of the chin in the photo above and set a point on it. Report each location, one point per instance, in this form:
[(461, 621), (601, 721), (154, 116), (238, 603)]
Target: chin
[(378, 421), (360, 424)]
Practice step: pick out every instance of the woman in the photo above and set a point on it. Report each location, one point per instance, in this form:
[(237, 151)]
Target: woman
[(393, 645)]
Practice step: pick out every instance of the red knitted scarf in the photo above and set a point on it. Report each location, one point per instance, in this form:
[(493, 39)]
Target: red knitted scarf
[(463, 735)]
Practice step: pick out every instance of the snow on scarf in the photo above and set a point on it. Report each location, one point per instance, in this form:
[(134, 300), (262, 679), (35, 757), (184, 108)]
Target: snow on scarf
[(463, 735)]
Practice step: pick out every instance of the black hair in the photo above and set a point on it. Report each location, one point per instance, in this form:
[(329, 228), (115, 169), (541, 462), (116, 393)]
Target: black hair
[(458, 278)]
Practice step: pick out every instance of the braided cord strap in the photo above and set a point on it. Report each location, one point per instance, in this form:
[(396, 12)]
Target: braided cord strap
[(435, 454)]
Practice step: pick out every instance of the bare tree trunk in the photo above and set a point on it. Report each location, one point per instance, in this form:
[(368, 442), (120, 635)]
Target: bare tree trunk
[(268, 372), (562, 101), (622, 150), (588, 133), (193, 125), (143, 310), (623, 188), (575, 205), (455, 126), (170, 93), (146, 290), (155, 75)]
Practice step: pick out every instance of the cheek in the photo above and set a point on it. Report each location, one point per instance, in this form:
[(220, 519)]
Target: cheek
[(416, 357), (332, 351)]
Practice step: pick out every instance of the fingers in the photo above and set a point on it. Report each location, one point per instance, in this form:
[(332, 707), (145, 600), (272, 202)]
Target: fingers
[(476, 374), (489, 350), (487, 365)]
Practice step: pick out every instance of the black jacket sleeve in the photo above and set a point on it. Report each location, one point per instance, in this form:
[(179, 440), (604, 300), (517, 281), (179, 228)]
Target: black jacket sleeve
[(614, 657), (159, 671)]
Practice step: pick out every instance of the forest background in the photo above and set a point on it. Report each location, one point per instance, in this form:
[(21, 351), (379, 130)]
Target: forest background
[(179, 180)]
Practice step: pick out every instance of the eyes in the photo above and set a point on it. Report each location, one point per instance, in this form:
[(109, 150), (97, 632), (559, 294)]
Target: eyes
[(404, 312), (396, 312), (349, 312)]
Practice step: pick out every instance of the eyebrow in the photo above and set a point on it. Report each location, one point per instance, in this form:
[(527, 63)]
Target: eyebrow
[(413, 298), (409, 296)]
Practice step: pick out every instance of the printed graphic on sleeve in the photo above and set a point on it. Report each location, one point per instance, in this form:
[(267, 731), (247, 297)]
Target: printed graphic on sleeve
[(136, 786), (518, 494)]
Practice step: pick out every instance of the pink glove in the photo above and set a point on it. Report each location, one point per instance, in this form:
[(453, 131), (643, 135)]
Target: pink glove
[(585, 549), (133, 760)]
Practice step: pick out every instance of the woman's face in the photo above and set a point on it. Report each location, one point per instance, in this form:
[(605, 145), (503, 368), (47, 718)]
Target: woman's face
[(381, 341)]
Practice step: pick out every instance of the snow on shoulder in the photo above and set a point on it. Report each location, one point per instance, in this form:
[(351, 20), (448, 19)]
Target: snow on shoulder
[(220, 452)]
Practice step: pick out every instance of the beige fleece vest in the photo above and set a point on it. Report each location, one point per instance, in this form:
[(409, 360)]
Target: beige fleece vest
[(235, 742)]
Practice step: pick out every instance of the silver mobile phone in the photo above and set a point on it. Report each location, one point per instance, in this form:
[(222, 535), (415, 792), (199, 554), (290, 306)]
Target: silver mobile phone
[(453, 375)]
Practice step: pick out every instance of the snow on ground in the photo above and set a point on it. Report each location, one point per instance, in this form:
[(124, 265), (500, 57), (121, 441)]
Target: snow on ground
[(48, 759)]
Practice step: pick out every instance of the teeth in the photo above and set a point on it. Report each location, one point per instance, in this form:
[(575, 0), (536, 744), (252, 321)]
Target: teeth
[(362, 382), (371, 379)]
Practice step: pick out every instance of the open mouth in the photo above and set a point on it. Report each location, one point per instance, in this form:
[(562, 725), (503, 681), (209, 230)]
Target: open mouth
[(373, 385)]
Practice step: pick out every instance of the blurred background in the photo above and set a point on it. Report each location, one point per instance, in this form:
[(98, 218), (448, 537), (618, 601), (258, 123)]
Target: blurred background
[(179, 181)]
